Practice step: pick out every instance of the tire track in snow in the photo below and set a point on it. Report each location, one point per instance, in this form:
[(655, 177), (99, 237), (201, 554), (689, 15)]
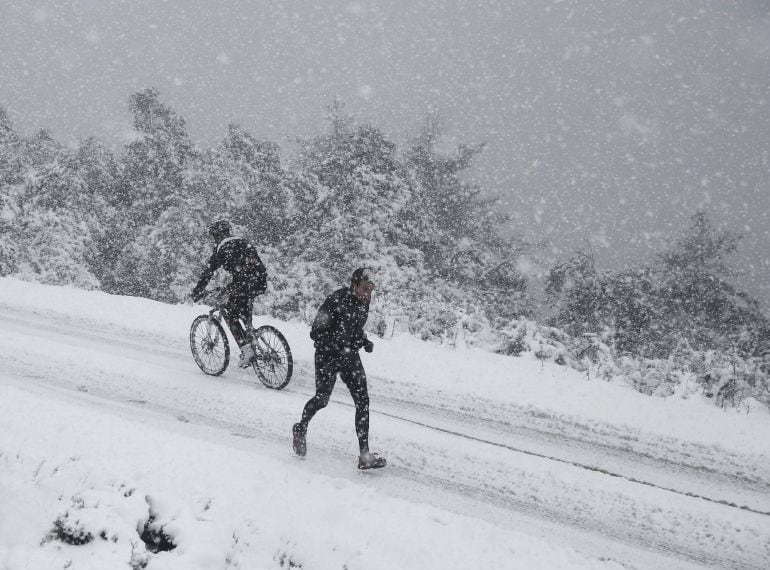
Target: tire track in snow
[(572, 463)]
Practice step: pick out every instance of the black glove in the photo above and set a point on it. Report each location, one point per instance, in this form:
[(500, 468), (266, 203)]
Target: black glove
[(368, 345)]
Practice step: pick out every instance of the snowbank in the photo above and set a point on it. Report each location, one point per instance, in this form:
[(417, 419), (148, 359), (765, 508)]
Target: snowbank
[(69, 473)]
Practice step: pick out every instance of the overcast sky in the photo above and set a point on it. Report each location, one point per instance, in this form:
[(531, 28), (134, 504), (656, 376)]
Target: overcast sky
[(606, 123)]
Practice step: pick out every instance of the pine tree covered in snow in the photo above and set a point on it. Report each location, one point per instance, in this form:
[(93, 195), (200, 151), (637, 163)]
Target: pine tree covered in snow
[(574, 287), (629, 307), (152, 181), (155, 160), (457, 228), (695, 291), (101, 173)]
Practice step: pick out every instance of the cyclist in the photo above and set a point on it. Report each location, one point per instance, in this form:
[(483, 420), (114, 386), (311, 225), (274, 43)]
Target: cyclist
[(338, 335), (249, 278)]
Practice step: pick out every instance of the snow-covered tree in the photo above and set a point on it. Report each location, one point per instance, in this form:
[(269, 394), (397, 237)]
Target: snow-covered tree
[(12, 155), (58, 220), (574, 288), (101, 174), (153, 178), (9, 211), (695, 291), (41, 149), (361, 191), (155, 160), (12, 168), (259, 197), (457, 228), (629, 308), (164, 262)]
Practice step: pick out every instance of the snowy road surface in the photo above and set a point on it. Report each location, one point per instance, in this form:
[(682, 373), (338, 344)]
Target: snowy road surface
[(520, 446)]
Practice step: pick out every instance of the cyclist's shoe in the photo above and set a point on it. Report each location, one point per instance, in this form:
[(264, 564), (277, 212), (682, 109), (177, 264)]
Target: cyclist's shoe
[(371, 461), (299, 443), (247, 355)]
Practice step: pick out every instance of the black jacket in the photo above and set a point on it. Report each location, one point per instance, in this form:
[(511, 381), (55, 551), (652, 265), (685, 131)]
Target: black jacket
[(339, 324), (238, 257)]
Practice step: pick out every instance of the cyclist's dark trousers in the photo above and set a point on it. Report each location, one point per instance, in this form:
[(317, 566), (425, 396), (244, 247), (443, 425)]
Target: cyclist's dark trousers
[(351, 371), (239, 306)]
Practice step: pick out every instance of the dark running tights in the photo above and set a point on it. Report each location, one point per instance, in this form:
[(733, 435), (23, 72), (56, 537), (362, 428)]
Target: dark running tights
[(352, 373)]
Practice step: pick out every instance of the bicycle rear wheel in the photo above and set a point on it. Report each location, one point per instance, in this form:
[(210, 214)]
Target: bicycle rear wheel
[(273, 362), (209, 345)]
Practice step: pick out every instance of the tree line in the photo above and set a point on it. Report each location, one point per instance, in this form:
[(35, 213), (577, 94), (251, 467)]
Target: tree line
[(132, 221), (684, 296)]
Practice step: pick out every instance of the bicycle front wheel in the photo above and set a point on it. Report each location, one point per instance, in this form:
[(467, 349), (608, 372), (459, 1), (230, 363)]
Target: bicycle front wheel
[(209, 346), (273, 362)]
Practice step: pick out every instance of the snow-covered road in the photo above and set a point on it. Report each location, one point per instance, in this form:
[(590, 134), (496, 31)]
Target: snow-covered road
[(613, 491)]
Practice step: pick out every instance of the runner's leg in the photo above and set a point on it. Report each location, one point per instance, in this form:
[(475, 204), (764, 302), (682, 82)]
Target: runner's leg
[(353, 375), (325, 378)]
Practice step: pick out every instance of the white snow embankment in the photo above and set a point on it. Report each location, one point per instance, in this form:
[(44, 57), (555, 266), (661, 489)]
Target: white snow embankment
[(99, 477)]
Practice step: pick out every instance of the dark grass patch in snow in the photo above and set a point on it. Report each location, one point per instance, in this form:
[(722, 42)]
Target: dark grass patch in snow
[(155, 538), (285, 560), (69, 532)]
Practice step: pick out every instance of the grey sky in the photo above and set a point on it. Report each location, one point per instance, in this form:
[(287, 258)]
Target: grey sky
[(606, 122)]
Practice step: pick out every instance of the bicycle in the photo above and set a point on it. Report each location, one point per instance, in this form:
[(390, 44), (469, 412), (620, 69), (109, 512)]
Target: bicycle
[(210, 347)]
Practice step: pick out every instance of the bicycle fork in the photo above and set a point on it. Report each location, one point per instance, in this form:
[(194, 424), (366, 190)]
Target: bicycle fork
[(210, 322)]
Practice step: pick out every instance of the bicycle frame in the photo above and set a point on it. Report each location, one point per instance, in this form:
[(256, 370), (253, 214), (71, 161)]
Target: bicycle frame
[(224, 316)]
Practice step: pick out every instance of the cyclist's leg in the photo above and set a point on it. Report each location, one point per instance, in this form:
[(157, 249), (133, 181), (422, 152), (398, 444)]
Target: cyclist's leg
[(239, 306), (353, 375)]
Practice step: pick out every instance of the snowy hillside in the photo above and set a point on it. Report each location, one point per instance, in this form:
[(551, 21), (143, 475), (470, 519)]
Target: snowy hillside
[(112, 441)]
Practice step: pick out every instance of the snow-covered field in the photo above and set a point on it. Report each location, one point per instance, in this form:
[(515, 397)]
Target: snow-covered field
[(109, 432)]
